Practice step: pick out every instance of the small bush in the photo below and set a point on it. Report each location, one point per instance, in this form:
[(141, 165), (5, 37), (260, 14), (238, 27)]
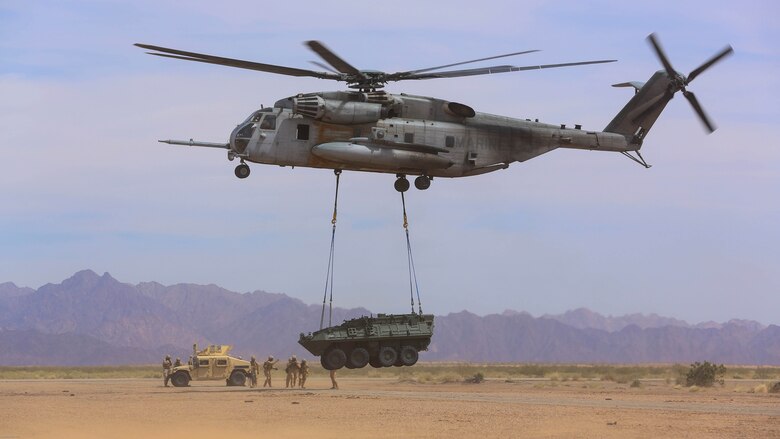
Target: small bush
[(636, 383), (775, 388), (476, 379), (704, 374)]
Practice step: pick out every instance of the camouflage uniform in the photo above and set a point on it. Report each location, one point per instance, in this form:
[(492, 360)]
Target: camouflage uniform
[(254, 369), (292, 372), (268, 366), (304, 373), (177, 363), (167, 370)]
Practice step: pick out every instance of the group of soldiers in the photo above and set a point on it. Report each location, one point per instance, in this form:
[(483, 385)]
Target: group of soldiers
[(296, 372), (167, 366)]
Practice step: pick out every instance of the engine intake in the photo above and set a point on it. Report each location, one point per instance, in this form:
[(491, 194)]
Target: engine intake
[(337, 111)]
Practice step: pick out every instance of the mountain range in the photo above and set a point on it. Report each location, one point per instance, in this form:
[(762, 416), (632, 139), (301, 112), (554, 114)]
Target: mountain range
[(93, 319)]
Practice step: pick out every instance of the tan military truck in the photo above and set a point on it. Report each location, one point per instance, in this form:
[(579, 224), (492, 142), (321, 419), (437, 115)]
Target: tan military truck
[(211, 364)]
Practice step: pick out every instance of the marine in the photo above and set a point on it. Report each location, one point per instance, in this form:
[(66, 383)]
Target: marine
[(268, 366), (166, 365), (177, 363), (254, 370), (303, 374), (292, 372)]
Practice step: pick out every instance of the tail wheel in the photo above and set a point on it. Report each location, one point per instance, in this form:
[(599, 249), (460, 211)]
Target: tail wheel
[(333, 359), (387, 356), (408, 356), (180, 379), (358, 358), (237, 379)]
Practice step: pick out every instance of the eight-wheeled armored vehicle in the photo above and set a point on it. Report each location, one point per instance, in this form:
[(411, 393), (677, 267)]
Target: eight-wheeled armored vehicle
[(210, 364), (381, 341)]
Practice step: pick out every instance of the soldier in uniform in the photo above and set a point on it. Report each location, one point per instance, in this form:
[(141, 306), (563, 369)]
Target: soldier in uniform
[(333, 380), (167, 370), (254, 369), (177, 363), (296, 370), (268, 366), (303, 374)]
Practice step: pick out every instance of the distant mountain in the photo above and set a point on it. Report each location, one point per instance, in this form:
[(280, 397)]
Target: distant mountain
[(93, 319)]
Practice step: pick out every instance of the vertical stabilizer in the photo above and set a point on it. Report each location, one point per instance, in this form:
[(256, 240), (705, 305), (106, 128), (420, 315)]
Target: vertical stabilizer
[(640, 113)]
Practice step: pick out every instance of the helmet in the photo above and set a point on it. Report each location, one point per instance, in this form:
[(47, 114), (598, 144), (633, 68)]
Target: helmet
[(167, 357), (293, 358), (270, 358), (253, 358), (178, 359), (303, 361)]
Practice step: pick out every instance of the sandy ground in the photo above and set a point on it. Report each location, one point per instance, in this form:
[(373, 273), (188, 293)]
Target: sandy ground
[(378, 408)]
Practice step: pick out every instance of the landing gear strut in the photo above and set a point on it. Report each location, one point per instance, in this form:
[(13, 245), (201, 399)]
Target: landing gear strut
[(242, 170), (401, 183)]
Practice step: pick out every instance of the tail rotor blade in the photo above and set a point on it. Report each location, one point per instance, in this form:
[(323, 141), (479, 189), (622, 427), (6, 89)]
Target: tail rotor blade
[(661, 55), (700, 111), (722, 54)]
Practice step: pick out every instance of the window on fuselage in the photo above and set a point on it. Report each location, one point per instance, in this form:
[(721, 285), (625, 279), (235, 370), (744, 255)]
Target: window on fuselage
[(408, 137), (449, 142), (269, 122), (302, 133)]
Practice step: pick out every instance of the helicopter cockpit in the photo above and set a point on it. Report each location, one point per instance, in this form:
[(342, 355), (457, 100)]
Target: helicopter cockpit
[(260, 119)]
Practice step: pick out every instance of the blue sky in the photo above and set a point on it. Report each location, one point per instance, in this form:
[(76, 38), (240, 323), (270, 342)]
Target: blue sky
[(84, 184)]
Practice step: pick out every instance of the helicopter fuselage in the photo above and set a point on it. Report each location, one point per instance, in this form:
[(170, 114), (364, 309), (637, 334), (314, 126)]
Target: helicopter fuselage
[(400, 134)]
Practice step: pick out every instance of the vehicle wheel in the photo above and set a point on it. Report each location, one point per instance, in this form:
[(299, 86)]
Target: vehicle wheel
[(422, 182), (237, 379), (333, 359), (180, 379), (408, 356), (387, 356), (358, 358), (374, 362), (242, 170), (401, 184)]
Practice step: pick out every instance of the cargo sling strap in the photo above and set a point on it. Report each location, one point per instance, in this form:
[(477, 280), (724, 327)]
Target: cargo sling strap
[(329, 275), (410, 259)]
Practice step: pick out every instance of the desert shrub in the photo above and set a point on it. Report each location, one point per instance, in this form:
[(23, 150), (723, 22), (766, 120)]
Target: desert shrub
[(636, 383), (476, 378), (774, 388), (704, 374)]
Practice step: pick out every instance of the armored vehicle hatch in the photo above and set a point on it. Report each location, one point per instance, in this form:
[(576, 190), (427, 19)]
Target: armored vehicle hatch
[(381, 341)]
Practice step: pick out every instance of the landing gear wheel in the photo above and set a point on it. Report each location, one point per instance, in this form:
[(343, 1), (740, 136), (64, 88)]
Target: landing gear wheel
[(358, 358), (333, 359), (408, 356), (422, 182), (387, 356), (242, 170), (401, 184), (237, 379), (180, 379)]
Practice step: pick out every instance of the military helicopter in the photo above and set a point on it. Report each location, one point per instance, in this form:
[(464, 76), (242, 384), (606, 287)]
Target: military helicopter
[(368, 129)]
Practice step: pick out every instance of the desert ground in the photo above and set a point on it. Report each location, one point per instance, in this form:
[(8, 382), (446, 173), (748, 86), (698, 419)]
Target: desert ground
[(380, 407)]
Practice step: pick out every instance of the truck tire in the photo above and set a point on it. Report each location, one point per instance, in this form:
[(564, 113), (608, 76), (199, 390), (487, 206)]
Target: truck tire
[(237, 379), (333, 359), (358, 358), (180, 379), (387, 356), (374, 362), (408, 356)]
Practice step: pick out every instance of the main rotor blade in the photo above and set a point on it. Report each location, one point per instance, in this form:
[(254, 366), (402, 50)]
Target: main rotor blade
[(494, 69), (661, 55), (333, 59), (467, 62), (700, 111), (722, 54), (231, 62), (324, 66)]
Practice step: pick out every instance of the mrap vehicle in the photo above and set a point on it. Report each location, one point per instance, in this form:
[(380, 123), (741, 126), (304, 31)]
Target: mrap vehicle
[(211, 364)]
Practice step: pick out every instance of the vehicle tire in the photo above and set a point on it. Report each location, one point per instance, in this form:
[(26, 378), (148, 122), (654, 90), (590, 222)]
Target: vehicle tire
[(333, 359), (237, 379), (408, 356), (374, 362), (180, 379), (387, 356), (358, 358)]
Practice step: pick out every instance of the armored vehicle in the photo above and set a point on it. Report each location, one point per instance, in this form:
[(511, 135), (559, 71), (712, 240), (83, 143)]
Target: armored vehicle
[(381, 341), (210, 364)]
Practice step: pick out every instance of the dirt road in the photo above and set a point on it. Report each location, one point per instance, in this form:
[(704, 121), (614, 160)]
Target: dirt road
[(373, 407)]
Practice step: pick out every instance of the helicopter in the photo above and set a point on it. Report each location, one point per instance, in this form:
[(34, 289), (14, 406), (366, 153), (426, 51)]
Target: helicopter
[(368, 129)]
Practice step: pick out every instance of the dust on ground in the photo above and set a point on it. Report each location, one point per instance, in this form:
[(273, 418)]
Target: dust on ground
[(383, 408)]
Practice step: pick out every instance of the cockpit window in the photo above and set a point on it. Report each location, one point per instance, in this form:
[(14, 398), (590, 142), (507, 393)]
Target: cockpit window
[(269, 122)]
